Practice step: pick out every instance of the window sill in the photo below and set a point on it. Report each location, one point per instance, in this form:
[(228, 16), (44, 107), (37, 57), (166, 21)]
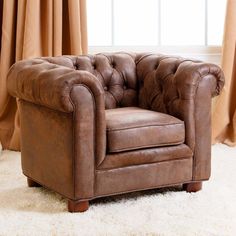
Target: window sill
[(205, 53)]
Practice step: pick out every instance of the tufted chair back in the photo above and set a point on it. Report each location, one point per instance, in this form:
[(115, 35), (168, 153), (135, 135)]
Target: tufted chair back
[(151, 81), (97, 152), (117, 74)]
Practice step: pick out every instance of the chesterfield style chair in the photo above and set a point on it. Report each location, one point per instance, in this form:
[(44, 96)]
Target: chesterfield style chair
[(94, 126)]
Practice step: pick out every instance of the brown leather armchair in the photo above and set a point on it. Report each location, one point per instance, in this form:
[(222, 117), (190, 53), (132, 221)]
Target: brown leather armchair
[(93, 126)]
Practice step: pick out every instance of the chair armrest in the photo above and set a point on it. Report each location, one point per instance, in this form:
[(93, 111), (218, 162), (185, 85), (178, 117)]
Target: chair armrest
[(49, 84), (183, 88)]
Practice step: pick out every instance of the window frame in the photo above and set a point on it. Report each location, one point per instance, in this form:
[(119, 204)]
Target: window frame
[(206, 52)]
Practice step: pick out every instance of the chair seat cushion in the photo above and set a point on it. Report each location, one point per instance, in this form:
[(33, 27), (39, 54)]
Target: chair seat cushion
[(133, 128)]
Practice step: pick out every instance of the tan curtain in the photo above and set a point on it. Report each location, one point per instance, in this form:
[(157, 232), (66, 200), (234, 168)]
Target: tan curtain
[(33, 28), (224, 114)]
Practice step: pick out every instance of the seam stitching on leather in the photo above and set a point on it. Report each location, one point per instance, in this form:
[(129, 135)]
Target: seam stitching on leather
[(48, 107), (194, 151), (139, 164), (144, 164), (73, 143), (145, 146), (144, 126)]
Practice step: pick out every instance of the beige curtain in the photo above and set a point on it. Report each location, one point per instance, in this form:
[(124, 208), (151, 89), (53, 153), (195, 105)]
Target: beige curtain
[(224, 114), (33, 28)]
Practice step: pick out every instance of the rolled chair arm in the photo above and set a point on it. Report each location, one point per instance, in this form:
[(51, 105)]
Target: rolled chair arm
[(183, 88), (49, 84), (172, 77), (54, 83)]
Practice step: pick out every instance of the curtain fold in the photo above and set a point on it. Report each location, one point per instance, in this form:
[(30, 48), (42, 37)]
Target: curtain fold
[(34, 28), (224, 113)]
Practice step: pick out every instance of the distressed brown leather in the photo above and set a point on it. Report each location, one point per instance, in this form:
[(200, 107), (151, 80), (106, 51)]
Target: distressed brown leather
[(73, 144), (145, 176), (145, 156), (47, 147), (133, 128), (116, 74), (183, 88)]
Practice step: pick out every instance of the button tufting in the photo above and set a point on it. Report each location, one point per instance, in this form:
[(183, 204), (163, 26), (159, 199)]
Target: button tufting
[(76, 66), (160, 88), (174, 70)]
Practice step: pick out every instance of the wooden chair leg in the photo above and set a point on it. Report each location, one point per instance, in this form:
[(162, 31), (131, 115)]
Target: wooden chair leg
[(192, 187), (32, 183), (75, 206)]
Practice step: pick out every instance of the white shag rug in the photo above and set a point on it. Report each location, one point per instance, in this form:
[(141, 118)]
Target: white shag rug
[(37, 211)]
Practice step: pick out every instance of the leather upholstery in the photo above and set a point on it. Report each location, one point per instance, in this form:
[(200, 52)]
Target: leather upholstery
[(183, 88), (145, 156), (116, 74), (146, 176), (133, 128), (54, 137), (64, 114)]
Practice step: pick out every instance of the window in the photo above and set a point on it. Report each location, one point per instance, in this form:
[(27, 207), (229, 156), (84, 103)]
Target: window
[(155, 23)]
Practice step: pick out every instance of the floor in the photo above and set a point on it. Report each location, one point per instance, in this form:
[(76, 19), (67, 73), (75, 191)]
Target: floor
[(170, 211)]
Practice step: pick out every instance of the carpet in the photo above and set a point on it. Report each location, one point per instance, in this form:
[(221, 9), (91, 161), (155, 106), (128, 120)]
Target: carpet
[(164, 212)]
